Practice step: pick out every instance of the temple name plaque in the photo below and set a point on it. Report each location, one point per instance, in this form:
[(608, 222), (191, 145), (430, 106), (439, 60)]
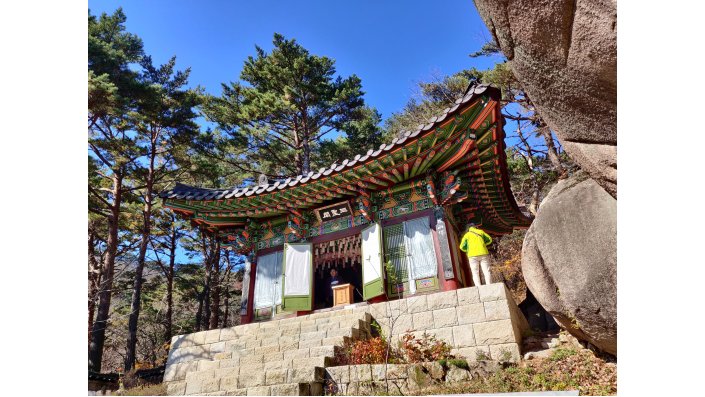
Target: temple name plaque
[(333, 212)]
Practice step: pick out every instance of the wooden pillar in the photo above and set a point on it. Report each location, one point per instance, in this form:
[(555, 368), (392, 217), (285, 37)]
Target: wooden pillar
[(460, 259), (446, 271), (248, 290)]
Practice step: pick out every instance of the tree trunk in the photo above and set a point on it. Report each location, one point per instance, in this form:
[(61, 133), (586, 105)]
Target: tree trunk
[(215, 287), (135, 304), (306, 160), (529, 157), (552, 152), (94, 275), (535, 195), (170, 283), (298, 157), (199, 312), (226, 308), (207, 259), (95, 347), (207, 299)]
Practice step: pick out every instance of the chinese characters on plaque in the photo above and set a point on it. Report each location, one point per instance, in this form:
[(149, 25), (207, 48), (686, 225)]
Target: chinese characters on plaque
[(334, 212)]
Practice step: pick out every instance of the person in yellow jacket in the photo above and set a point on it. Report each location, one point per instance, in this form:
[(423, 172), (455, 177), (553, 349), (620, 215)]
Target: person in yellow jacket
[(474, 243)]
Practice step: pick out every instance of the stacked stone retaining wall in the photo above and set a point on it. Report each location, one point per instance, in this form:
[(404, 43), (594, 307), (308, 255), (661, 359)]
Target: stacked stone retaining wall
[(400, 379), (289, 356), (481, 321)]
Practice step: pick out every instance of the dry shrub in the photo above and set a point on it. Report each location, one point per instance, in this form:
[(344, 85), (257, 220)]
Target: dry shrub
[(411, 349), (158, 389), (426, 348), (569, 369), (130, 379), (507, 264), (370, 351)]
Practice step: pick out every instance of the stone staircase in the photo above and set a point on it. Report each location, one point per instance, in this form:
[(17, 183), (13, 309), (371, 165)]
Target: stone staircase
[(279, 357)]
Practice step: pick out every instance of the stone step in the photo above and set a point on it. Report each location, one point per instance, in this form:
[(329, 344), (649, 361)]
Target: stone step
[(241, 347), (275, 328), (234, 349), (333, 338), (286, 389), (253, 381), (282, 357), (268, 336)]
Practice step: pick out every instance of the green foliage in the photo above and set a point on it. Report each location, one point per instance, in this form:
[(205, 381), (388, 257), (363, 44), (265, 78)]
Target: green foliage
[(392, 276), (430, 100), (141, 137), (480, 355), (287, 101), (562, 352), (376, 329), (460, 363), (489, 48), (360, 135), (505, 355), (524, 180), (111, 51)]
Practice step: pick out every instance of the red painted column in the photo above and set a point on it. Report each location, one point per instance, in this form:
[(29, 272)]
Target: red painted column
[(445, 285), (247, 318)]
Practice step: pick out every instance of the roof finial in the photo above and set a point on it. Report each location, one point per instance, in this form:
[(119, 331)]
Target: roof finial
[(262, 180), (474, 82)]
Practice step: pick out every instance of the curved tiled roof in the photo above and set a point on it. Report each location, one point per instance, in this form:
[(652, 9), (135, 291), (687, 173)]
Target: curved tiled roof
[(465, 140), (181, 191)]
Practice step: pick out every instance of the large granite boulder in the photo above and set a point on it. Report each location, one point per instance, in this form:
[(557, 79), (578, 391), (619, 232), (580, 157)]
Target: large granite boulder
[(564, 52), (569, 260)]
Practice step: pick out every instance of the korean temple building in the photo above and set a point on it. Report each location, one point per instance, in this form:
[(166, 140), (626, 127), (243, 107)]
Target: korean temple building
[(388, 220)]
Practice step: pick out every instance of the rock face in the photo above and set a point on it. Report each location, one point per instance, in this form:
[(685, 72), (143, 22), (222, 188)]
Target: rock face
[(456, 375), (569, 260), (564, 52)]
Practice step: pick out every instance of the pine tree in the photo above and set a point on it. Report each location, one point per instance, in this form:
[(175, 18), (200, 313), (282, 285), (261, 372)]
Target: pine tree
[(287, 102), (164, 120), (113, 89)]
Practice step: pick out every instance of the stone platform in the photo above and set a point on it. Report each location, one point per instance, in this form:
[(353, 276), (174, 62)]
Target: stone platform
[(482, 320), (288, 356)]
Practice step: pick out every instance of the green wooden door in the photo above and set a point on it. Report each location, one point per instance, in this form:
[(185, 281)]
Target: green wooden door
[(297, 285)]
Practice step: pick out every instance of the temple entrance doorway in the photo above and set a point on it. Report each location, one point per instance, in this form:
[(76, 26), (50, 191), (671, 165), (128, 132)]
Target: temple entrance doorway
[(342, 255)]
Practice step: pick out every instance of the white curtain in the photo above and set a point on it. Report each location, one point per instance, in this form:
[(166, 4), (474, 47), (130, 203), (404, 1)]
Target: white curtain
[(268, 280), (420, 251), (298, 270)]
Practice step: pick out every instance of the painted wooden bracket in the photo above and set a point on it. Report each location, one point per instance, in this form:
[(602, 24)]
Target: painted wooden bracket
[(295, 222), (364, 205), (431, 188), (451, 184)]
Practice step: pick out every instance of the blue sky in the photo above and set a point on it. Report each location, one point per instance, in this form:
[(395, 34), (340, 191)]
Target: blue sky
[(390, 45)]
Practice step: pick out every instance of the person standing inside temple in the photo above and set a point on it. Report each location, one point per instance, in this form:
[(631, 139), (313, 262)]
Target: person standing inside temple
[(474, 243), (335, 280)]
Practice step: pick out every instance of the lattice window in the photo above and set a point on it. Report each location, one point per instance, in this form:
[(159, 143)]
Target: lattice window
[(395, 251)]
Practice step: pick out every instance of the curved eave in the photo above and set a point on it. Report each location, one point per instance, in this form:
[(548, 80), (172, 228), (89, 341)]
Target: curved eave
[(491, 199)]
